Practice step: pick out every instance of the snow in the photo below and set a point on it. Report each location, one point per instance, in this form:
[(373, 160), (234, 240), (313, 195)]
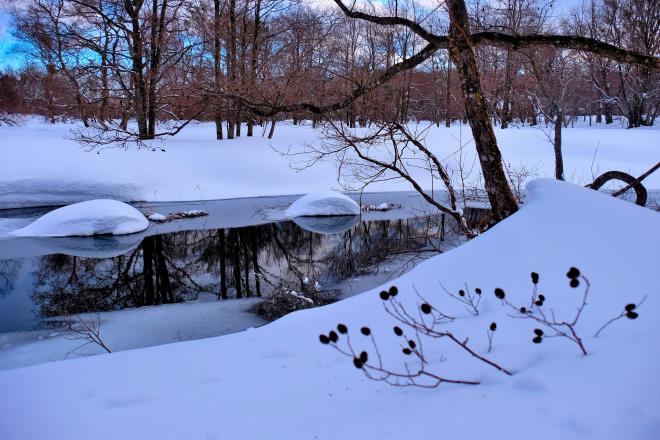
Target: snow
[(380, 207), (42, 166), (301, 296), (93, 217), (194, 213), (325, 203), (248, 384), (157, 217)]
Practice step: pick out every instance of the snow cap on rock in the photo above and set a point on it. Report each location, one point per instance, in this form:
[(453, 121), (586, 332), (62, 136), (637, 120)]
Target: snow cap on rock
[(94, 217), (324, 203)]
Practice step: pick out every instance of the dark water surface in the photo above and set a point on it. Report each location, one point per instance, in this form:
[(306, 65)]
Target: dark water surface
[(195, 259)]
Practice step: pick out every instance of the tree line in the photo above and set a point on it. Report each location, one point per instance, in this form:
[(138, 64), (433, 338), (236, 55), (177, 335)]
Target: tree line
[(107, 62)]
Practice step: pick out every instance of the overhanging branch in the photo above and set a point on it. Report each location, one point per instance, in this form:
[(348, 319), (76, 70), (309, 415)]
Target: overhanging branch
[(515, 42)]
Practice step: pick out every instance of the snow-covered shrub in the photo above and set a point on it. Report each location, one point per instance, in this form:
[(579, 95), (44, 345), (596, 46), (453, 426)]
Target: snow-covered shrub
[(285, 301)]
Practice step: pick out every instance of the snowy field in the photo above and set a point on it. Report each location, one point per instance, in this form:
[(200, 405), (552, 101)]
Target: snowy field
[(41, 165), (278, 381)]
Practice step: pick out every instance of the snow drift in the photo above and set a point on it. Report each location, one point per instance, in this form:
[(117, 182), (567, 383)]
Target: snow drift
[(248, 385), (325, 203), (94, 217)]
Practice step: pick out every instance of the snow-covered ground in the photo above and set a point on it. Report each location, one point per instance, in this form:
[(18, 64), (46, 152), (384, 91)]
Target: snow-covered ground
[(41, 165), (278, 381)]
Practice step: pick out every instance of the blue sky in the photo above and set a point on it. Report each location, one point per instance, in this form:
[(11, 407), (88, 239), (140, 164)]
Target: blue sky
[(10, 59)]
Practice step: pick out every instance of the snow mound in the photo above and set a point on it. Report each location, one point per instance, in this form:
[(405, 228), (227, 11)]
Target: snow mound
[(324, 203), (94, 217)]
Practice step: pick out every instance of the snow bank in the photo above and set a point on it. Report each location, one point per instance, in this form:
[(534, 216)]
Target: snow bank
[(325, 203), (201, 389), (94, 217)]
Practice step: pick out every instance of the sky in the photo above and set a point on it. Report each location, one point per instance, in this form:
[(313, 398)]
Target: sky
[(10, 59)]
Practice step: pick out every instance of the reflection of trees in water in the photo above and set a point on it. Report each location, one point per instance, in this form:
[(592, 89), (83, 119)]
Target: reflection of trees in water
[(236, 262), (8, 273)]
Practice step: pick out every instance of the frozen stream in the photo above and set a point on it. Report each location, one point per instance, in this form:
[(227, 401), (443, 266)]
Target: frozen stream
[(164, 285)]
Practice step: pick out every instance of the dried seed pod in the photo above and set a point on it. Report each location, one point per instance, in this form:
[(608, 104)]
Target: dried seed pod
[(412, 344), (407, 351), (539, 303), (341, 328), (426, 308), (477, 291), (364, 357), (538, 332), (493, 326), (394, 291), (573, 272), (630, 307), (574, 283), (499, 293), (324, 339), (632, 315), (542, 298), (535, 278), (333, 336), (398, 331), (384, 295), (537, 340), (461, 292), (365, 331), (523, 310), (358, 363)]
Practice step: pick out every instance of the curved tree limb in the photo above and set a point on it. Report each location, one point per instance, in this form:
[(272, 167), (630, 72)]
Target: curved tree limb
[(632, 182)]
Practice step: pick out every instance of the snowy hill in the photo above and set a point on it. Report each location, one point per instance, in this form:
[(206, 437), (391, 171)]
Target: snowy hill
[(279, 382)]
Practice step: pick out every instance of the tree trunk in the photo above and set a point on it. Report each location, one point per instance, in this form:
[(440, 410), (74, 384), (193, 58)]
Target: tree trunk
[(137, 69), (559, 159), (217, 70), (499, 192), (448, 96), (231, 67), (506, 111), (254, 57), (272, 128)]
